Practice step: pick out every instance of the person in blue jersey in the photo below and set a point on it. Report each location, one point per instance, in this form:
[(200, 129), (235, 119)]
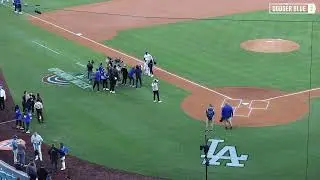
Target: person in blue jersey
[(210, 117), (97, 79), (18, 116), (226, 116), (104, 79), (63, 151), (17, 6), (27, 120), (131, 76)]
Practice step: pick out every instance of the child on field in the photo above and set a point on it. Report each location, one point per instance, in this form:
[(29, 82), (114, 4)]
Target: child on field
[(27, 120), (18, 117)]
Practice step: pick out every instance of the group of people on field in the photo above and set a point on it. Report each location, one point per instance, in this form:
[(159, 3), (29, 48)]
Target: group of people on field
[(19, 155), (117, 73), (31, 104), (226, 116)]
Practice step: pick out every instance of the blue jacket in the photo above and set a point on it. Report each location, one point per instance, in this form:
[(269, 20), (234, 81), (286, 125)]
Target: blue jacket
[(97, 76), (138, 72), (27, 118), (131, 72), (227, 111), (210, 112), (63, 151), (17, 1), (18, 114)]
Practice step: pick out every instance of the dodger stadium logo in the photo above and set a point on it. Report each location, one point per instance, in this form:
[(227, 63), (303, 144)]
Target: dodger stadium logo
[(54, 79)]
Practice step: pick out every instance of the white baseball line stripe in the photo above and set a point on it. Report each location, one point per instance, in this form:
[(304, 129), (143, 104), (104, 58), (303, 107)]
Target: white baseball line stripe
[(46, 47), (291, 94), (5, 122), (249, 112), (114, 50), (82, 65)]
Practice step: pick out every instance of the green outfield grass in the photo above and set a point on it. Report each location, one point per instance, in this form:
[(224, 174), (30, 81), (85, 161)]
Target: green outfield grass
[(129, 132), (208, 51)]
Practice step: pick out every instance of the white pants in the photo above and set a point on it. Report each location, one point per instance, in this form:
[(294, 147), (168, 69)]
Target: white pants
[(38, 148), (15, 156), (63, 162), (146, 69)]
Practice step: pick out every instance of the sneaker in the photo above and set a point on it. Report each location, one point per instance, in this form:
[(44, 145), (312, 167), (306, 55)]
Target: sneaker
[(159, 101), (20, 12), (15, 11), (36, 158), (103, 88), (151, 75), (113, 92), (154, 101), (21, 128), (107, 89), (18, 127), (62, 169), (28, 132)]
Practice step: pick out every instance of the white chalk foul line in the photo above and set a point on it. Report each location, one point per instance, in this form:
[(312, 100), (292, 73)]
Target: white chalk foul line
[(131, 57), (291, 94), (46, 47), (5, 122)]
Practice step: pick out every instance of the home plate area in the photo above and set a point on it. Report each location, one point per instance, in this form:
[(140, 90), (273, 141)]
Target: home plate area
[(243, 108)]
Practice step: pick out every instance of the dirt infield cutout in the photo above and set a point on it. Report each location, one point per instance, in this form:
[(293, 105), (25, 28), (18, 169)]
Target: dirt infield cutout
[(254, 107), (270, 45)]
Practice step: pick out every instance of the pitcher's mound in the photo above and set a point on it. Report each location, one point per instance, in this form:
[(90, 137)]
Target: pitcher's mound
[(270, 45)]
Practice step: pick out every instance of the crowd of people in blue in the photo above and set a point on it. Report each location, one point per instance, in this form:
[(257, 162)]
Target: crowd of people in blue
[(115, 73)]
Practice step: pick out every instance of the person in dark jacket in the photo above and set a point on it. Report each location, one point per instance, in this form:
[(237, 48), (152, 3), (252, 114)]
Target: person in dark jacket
[(39, 98), (33, 101), (32, 170), (42, 173), (29, 102), (54, 156), (89, 69), (124, 72), (138, 73), (113, 79), (25, 97), (97, 79)]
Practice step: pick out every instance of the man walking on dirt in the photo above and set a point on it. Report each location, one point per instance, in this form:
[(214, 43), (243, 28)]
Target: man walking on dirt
[(226, 116), (2, 98)]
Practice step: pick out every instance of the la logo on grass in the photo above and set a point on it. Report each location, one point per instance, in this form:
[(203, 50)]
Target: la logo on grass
[(228, 153)]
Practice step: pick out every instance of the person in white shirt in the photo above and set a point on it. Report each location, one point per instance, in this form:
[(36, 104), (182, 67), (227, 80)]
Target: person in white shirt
[(147, 59), (36, 141), (3, 98), (39, 106), (155, 89)]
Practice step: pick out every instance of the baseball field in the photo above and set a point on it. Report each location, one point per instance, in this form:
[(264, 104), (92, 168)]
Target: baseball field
[(265, 65)]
